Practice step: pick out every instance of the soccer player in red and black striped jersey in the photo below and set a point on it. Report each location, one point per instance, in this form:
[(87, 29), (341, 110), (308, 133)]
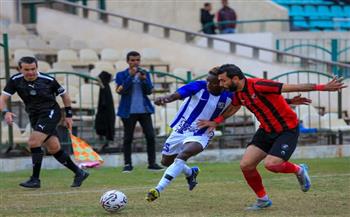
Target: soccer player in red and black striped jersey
[(276, 139)]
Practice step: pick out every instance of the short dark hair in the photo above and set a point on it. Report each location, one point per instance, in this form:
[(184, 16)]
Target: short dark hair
[(231, 71), (132, 53), (27, 60), (214, 71), (207, 4)]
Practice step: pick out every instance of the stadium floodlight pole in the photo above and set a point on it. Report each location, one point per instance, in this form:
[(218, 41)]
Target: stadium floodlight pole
[(7, 77)]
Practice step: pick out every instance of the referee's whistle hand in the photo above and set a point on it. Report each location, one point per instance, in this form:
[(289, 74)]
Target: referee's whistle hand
[(69, 123)]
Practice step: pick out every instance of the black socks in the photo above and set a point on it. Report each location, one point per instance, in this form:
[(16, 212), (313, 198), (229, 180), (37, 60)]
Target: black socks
[(37, 159), (64, 159)]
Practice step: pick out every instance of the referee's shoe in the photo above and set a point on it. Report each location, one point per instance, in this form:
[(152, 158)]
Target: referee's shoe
[(79, 178), (32, 182)]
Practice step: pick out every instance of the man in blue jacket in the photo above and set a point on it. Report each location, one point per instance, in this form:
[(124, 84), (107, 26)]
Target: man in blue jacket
[(134, 84)]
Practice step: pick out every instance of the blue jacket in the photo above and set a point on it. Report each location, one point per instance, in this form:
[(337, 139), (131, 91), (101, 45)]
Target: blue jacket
[(124, 79)]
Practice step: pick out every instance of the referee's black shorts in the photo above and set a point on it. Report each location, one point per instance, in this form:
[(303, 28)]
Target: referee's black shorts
[(281, 145), (47, 121)]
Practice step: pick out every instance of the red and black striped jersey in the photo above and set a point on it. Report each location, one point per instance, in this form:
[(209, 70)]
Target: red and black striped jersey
[(263, 98)]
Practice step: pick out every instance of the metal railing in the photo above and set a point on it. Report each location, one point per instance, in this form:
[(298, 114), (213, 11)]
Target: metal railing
[(305, 61), (5, 46), (336, 50)]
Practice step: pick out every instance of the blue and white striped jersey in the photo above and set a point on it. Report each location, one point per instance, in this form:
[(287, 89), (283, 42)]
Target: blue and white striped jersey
[(198, 104)]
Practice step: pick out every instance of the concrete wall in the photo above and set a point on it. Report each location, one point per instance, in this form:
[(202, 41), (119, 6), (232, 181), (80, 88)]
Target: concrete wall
[(8, 10), (186, 14), (218, 155), (176, 53)]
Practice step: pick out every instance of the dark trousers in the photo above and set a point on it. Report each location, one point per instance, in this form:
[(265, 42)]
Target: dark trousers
[(145, 121)]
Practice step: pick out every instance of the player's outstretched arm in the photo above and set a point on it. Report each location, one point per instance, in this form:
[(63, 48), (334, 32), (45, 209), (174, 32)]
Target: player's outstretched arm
[(162, 100), (298, 100), (7, 115), (229, 111), (334, 85)]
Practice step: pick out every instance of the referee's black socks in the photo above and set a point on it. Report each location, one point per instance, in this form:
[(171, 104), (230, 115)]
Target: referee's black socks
[(64, 159), (37, 159)]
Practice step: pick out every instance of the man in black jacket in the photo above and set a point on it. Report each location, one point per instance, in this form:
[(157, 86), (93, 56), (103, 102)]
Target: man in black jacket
[(207, 19)]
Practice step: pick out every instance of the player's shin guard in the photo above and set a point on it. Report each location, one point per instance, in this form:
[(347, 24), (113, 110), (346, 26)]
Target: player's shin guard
[(64, 159), (37, 158), (285, 167), (171, 173), (254, 180)]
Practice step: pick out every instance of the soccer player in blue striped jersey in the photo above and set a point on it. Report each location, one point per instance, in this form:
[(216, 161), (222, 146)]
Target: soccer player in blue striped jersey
[(202, 100)]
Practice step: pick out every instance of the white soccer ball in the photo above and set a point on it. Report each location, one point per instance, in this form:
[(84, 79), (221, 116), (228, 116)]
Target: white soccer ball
[(113, 201)]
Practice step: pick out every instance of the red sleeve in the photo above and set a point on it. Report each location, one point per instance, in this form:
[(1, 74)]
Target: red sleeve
[(235, 101), (268, 86)]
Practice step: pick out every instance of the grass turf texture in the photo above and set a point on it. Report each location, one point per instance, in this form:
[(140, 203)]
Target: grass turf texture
[(222, 191)]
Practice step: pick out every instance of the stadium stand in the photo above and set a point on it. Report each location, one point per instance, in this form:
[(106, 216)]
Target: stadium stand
[(43, 66), (67, 56), (72, 51), (317, 15), (78, 44), (110, 55), (87, 56)]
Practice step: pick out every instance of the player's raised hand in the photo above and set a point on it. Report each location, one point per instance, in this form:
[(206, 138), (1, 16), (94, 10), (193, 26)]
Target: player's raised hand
[(335, 84), (9, 118), (205, 123), (298, 100)]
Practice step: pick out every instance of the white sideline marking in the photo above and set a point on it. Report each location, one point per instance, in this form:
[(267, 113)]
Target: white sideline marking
[(146, 188)]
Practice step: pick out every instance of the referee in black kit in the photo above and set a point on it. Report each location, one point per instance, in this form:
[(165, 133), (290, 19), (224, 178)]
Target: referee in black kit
[(38, 92)]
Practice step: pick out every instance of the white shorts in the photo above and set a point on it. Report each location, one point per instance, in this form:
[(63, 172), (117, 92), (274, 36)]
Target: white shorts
[(175, 142)]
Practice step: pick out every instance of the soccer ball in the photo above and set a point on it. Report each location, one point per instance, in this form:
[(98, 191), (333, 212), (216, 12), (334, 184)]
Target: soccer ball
[(113, 201)]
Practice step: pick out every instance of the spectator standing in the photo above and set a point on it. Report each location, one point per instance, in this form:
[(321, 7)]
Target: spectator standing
[(226, 14), (105, 117), (134, 84), (207, 19)]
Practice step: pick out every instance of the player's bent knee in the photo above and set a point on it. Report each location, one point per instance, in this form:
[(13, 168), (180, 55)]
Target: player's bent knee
[(246, 166), (184, 155), (165, 163)]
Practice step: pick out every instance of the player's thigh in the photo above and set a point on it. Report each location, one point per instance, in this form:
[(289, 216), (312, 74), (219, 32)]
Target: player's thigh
[(52, 144), (36, 139), (252, 156), (285, 144)]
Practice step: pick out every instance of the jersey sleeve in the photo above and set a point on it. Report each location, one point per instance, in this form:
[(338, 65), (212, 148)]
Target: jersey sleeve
[(10, 88), (57, 88), (191, 88), (268, 86)]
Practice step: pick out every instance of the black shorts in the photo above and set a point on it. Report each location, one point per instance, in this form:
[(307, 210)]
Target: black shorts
[(281, 145), (47, 121)]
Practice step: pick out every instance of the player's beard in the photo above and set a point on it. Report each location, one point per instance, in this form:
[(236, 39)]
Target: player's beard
[(233, 87)]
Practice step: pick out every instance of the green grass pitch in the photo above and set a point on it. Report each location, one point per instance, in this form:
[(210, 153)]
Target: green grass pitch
[(221, 191)]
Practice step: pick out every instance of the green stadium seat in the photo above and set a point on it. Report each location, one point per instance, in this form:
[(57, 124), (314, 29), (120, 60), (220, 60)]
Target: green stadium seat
[(310, 10), (323, 10), (337, 11), (300, 22), (296, 10)]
